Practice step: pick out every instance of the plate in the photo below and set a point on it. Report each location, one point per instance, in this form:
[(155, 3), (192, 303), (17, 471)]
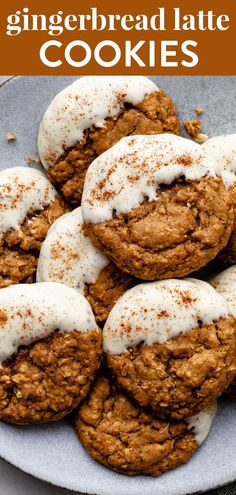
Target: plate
[(51, 452)]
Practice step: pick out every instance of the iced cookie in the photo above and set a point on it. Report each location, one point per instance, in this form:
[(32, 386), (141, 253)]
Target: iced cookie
[(50, 348), (225, 284), (68, 256), (91, 115), (155, 206), (171, 345), (224, 150), (117, 433), (29, 204)]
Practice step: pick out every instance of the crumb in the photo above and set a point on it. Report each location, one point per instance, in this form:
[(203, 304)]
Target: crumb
[(199, 111), (10, 136), (193, 127), (31, 160)]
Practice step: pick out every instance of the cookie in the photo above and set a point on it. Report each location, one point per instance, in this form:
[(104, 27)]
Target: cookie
[(225, 285), (171, 345), (91, 115), (29, 204), (119, 434), (50, 349), (155, 206), (224, 150), (68, 256)]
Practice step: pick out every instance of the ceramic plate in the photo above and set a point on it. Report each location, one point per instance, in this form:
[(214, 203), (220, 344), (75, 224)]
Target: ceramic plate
[(51, 452)]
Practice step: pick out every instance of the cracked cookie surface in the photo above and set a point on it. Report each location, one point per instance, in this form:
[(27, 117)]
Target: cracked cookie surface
[(189, 223), (47, 380), (117, 433), (182, 376)]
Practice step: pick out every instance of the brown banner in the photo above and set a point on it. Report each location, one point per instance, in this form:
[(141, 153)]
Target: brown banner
[(102, 37)]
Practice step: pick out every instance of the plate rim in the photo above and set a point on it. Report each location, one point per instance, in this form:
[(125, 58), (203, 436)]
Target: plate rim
[(72, 490)]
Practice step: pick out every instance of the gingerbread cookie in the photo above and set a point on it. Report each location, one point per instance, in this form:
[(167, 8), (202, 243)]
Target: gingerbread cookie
[(50, 349), (119, 434), (68, 256), (171, 345), (155, 206), (91, 115), (29, 204), (225, 284), (223, 148)]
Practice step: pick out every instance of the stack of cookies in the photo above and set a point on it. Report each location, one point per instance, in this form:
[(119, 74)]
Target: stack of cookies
[(110, 328)]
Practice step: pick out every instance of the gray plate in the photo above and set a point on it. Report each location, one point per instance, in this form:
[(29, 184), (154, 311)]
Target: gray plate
[(52, 452)]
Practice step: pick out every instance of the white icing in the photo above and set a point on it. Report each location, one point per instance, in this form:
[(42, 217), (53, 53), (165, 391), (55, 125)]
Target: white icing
[(35, 311), (223, 148), (67, 254), (86, 103), (132, 169), (225, 285), (22, 191), (158, 311), (201, 423)]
